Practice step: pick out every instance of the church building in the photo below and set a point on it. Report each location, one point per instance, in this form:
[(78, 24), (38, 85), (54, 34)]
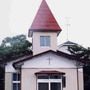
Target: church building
[(48, 68)]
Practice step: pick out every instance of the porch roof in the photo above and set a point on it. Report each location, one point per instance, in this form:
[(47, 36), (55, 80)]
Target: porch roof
[(49, 72)]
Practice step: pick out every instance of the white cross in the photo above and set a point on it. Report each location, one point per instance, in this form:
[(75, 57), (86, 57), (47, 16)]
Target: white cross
[(67, 25), (49, 60)]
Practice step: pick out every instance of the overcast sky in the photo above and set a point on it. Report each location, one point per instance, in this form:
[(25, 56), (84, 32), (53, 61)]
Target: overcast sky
[(16, 17)]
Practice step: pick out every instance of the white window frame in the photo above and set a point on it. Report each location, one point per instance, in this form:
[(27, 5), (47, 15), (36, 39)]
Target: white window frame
[(45, 41), (15, 82), (49, 81)]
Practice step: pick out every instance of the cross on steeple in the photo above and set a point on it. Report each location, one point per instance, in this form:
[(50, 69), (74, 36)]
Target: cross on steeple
[(67, 26)]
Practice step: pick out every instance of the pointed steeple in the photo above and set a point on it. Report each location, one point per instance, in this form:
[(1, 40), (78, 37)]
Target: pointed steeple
[(44, 20)]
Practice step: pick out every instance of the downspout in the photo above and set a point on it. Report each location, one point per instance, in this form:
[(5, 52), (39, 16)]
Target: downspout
[(20, 77), (77, 65), (77, 79)]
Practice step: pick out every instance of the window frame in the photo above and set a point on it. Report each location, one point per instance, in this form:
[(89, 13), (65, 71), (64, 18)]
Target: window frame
[(49, 81), (16, 81), (45, 41)]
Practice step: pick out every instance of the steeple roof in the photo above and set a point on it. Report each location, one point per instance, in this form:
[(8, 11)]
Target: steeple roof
[(44, 20)]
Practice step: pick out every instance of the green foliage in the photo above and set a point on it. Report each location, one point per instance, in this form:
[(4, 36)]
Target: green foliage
[(15, 47), (10, 49), (82, 54)]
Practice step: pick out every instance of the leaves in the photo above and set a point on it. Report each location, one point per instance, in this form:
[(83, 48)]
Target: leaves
[(82, 54), (15, 47)]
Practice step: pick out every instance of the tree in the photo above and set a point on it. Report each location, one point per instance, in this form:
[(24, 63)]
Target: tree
[(83, 55), (12, 48), (15, 47)]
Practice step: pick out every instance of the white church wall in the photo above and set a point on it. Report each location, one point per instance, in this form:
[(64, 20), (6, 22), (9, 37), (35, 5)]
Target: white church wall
[(9, 67), (8, 81), (36, 42), (29, 81), (49, 60)]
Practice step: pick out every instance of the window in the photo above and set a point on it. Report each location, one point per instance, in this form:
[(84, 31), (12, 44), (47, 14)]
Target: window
[(44, 40), (55, 86), (49, 82), (16, 81), (49, 86), (43, 86), (51, 76)]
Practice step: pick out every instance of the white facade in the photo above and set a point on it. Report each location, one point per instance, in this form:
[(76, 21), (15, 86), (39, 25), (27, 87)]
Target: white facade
[(47, 62), (36, 42)]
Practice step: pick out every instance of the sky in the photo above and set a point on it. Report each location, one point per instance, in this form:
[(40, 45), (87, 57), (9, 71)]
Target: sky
[(16, 17)]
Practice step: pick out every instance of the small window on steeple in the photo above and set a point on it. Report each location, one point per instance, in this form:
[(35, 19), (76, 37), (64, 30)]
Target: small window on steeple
[(44, 40)]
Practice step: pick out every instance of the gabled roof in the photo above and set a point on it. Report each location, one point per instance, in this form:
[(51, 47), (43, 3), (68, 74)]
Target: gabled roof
[(59, 53), (64, 46), (44, 20), (69, 43)]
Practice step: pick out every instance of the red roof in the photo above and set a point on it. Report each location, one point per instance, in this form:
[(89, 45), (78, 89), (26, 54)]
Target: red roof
[(44, 20)]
